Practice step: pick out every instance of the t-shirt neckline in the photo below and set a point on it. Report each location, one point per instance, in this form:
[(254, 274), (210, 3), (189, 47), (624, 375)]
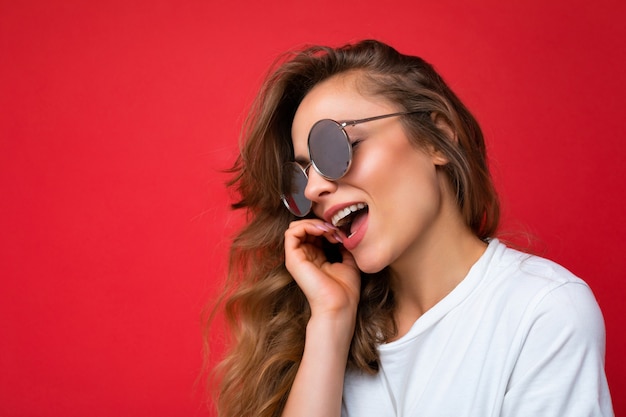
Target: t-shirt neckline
[(472, 280)]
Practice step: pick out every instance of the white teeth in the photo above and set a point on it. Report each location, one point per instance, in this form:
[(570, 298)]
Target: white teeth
[(341, 214)]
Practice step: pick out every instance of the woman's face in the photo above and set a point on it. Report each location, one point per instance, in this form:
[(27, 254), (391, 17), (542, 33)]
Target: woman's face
[(399, 184)]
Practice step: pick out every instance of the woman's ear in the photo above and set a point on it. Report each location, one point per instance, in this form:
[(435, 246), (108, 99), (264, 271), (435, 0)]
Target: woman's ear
[(439, 158), (442, 124)]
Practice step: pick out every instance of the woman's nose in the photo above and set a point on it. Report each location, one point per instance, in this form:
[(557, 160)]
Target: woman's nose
[(318, 186)]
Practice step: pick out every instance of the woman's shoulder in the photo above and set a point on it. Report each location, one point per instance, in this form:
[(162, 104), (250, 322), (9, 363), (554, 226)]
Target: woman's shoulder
[(543, 289), (527, 270), (558, 334)]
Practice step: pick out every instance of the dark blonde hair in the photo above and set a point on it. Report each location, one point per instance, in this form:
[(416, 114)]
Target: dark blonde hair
[(266, 311)]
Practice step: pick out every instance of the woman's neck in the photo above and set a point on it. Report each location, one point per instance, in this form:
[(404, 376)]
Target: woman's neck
[(433, 266)]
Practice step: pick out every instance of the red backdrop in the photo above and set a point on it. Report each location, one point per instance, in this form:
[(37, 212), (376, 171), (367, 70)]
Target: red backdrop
[(117, 116)]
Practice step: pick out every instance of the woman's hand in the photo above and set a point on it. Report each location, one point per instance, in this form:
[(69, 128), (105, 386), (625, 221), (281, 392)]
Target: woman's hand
[(330, 288)]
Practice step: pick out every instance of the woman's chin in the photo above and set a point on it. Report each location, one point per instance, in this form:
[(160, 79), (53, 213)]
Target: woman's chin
[(369, 266)]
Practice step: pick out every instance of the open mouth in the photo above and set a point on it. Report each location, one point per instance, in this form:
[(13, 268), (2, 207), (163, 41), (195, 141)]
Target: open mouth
[(347, 220)]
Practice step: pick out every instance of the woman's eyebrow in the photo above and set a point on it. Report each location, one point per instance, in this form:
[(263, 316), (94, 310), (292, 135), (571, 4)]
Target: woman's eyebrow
[(355, 129), (301, 160)]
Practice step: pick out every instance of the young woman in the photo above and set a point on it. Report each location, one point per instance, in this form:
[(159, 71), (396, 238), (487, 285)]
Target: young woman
[(368, 280)]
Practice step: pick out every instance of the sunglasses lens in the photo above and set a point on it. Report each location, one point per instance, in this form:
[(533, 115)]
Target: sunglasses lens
[(294, 197), (330, 149), (331, 155)]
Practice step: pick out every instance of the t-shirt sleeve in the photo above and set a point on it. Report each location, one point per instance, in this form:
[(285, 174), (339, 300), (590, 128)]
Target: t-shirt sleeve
[(560, 367)]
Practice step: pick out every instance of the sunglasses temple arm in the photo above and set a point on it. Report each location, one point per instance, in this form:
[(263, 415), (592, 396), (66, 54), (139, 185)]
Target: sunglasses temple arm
[(370, 119)]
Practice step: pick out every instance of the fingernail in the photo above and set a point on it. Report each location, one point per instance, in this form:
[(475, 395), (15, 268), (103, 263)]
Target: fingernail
[(322, 227), (330, 226), (339, 238)]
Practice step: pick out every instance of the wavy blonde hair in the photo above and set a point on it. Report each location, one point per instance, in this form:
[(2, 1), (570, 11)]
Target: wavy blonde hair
[(265, 310)]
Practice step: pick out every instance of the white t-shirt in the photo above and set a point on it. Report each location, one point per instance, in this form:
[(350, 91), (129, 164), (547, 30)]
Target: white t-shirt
[(519, 336)]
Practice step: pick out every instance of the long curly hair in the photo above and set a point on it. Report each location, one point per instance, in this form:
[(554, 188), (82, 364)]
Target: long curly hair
[(265, 310)]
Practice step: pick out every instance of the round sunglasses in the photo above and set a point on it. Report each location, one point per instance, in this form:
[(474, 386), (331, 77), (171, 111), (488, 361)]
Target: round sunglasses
[(330, 154)]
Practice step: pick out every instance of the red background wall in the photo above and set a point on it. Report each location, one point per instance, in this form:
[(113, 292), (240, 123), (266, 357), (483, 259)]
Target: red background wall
[(116, 117)]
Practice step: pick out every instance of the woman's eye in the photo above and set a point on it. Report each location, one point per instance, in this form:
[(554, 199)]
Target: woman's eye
[(355, 144)]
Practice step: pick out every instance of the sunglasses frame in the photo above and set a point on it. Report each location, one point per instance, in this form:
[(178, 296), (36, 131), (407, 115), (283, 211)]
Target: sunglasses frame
[(304, 169)]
